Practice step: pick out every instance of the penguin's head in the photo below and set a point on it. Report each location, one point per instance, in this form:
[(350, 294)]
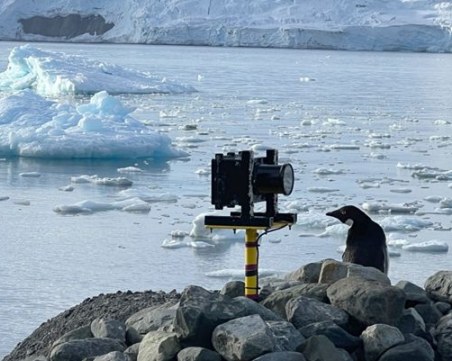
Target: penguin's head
[(349, 215)]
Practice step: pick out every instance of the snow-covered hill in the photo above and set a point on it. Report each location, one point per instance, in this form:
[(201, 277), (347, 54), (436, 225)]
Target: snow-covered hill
[(411, 25)]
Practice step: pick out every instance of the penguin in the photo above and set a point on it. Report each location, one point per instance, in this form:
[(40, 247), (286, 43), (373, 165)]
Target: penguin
[(366, 240)]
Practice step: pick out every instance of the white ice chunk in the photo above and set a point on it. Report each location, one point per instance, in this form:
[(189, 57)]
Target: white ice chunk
[(31, 126), (404, 224), (390, 208), (428, 246), (130, 169), (30, 174), (53, 74), (200, 232)]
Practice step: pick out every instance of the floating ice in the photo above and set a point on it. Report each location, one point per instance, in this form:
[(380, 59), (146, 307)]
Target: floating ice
[(4, 198), (134, 205), (404, 224), (31, 126), (391, 252), (433, 199), (146, 195), (200, 232), (54, 74), (30, 174), (94, 179), (130, 169), (322, 190), (344, 146), (390, 208), (445, 203), (428, 246), (397, 243), (325, 171)]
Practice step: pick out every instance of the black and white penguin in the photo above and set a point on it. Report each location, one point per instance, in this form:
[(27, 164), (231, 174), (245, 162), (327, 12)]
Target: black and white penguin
[(366, 240)]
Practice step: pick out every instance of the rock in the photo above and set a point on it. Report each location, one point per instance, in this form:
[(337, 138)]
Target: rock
[(76, 350), (133, 336), (233, 289), (415, 349), (132, 352), (302, 311), (306, 274), (158, 346), (379, 338), (112, 356), (286, 336), (281, 356), (243, 339), (337, 335), (319, 348), (251, 307), (443, 307), (370, 302), (278, 299), (411, 322), (104, 328), (156, 318), (414, 294), (429, 313), (443, 336), (439, 286), (79, 333), (333, 271), (198, 354)]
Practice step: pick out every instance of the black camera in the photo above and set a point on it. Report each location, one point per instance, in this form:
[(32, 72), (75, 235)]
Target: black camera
[(243, 180)]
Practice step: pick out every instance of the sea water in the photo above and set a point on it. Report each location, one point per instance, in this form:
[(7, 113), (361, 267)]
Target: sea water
[(356, 127)]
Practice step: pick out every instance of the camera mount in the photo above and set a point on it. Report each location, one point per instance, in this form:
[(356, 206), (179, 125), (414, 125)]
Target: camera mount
[(243, 180)]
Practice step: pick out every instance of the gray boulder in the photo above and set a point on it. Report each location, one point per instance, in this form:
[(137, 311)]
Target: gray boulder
[(443, 307), (158, 346), (76, 350), (332, 271), (414, 293), (369, 302), (243, 339), (233, 289), (414, 349), (77, 334), (282, 356), (156, 318), (198, 354), (439, 286), (277, 300), (112, 356), (337, 335), (302, 311), (251, 307), (132, 352), (287, 337), (429, 313), (379, 338), (319, 348), (102, 328), (411, 322), (308, 273), (443, 335)]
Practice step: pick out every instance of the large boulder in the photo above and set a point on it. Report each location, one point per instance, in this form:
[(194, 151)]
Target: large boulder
[(277, 300), (414, 349), (156, 318), (76, 350), (443, 335), (302, 311), (414, 293), (79, 333), (333, 271), (198, 354), (104, 328), (287, 337), (243, 339), (369, 302), (319, 348), (251, 307), (439, 286), (308, 273), (281, 356), (379, 338), (112, 356), (411, 322), (159, 346), (337, 335), (233, 289)]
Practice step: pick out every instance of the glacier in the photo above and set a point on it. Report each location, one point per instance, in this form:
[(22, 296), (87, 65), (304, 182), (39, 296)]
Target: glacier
[(393, 25)]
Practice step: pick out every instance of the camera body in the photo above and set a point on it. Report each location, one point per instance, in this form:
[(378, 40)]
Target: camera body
[(243, 180)]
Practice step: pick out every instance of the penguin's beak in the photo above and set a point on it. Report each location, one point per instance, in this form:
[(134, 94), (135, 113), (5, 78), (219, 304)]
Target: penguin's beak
[(332, 214)]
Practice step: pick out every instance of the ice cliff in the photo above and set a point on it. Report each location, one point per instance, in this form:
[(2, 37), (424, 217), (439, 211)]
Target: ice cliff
[(396, 25)]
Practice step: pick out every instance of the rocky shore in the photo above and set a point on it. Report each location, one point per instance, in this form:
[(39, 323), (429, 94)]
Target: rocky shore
[(326, 310)]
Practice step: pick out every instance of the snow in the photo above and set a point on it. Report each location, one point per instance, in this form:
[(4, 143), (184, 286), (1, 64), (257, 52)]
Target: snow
[(54, 74), (418, 25), (31, 126)]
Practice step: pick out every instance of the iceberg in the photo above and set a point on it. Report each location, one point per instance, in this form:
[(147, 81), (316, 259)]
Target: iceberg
[(54, 74), (31, 126)]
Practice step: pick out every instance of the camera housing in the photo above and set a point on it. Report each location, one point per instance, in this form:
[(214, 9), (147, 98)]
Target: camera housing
[(243, 180)]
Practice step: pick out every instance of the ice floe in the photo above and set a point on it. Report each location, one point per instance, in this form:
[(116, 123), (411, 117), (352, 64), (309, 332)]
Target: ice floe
[(94, 179), (389, 208), (53, 74), (199, 232), (432, 246), (31, 126), (134, 205), (404, 224)]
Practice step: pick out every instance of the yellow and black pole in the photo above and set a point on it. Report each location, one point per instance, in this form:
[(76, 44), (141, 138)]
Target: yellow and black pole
[(251, 264)]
